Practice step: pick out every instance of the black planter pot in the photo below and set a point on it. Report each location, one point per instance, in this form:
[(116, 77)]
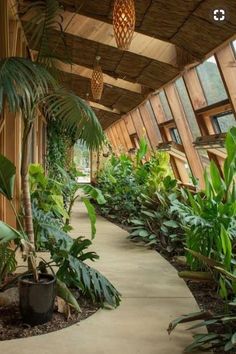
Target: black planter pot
[(37, 299)]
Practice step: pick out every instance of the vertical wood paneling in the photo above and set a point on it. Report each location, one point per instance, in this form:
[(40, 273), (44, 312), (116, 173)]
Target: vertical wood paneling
[(126, 136), (157, 109), (129, 124)]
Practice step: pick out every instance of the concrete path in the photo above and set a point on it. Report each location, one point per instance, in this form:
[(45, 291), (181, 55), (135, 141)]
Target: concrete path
[(153, 295)]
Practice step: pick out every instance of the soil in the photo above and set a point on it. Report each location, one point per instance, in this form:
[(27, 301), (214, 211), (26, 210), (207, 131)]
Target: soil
[(12, 326)]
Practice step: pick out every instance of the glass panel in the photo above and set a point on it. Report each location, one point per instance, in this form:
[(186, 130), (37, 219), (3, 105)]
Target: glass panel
[(175, 135), (211, 81), (184, 97), (152, 115), (165, 105), (223, 122)]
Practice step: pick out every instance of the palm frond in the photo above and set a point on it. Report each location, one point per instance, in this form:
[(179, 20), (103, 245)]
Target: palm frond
[(76, 117), (42, 22), (22, 83)]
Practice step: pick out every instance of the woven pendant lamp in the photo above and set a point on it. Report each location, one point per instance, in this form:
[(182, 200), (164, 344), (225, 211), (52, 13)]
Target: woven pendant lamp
[(124, 23), (97, 81)]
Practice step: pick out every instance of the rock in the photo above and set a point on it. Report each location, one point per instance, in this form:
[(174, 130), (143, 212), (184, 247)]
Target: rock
[(9, 297)]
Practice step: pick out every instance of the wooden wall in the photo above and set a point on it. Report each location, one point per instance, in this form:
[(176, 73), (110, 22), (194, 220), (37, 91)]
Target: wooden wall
[(11, 125)]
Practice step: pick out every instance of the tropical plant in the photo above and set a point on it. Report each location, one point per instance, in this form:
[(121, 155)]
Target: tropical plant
[(209, 216), (27, 87), (67, 254), (223, 340), (156, 225)]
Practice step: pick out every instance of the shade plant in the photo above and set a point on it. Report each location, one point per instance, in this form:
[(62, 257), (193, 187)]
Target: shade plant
[(27, 87), (209, 216)]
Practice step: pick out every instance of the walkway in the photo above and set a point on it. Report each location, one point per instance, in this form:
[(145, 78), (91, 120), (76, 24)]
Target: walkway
[(153, 295)]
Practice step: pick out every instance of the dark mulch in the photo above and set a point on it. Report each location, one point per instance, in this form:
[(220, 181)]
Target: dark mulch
[(12, 326)]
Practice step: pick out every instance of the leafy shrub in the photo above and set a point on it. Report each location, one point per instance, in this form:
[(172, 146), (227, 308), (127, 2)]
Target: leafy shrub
[(156, 224), (209, 216)]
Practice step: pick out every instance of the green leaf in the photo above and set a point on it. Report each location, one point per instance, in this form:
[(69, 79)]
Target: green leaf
[(217, 182), (91, 214), (7, 177), (8, 233), (66, 295), (233, 339), (226, 246), (171, 223)]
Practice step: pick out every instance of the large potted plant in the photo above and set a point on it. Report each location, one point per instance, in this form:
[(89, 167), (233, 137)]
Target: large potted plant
[(27, 87)]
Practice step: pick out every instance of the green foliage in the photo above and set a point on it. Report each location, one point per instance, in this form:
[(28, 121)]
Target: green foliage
[(76, 117), (156, 225), (225, 340), (118, 184), (7, 177), (209, 216), (69, 256), (47, 192), (7, 261), (139, 193)]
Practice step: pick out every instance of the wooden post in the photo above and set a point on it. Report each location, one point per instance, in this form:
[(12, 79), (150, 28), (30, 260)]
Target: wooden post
[(185, 133), (227, 65)]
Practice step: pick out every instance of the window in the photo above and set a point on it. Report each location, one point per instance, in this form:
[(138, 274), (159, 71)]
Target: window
[(135, 140), (211, 81), (165, 106), (188, 109), (223, 122), (175, 136)]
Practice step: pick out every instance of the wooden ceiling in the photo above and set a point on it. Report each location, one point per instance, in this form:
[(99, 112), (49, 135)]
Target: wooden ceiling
[(169, 35)]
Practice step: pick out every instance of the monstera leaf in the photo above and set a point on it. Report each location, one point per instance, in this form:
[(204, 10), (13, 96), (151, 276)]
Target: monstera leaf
[(7, 177)]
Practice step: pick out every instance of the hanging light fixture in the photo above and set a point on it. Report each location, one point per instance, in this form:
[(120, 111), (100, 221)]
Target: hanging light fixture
[(97, 80), (124, 22)]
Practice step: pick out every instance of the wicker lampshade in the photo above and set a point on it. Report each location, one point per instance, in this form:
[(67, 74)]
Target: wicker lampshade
[(124, 22), (97, 81)]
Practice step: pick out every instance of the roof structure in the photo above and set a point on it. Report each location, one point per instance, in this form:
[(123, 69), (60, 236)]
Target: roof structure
[(169, 36)]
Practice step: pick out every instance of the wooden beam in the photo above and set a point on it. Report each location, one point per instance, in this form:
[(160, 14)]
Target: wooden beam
[(123, 65), (227, 64), (185, 133), (87, 73), (195, 89), (103, 32)]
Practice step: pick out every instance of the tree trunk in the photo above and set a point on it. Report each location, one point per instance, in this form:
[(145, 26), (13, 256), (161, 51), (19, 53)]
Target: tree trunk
[(4, 29), (25, 182)]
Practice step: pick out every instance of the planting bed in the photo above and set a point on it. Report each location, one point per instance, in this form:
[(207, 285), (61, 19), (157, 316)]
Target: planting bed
[(12, 327)]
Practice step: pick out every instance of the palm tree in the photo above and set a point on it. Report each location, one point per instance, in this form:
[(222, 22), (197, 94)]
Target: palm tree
[(27, 87)]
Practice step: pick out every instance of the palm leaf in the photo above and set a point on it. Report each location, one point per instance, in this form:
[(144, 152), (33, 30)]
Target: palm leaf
[(76, 117), (45, 33), (22, 83)]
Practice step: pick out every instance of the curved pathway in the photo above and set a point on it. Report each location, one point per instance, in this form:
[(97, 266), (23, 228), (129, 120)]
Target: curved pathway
[(152, 295)]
